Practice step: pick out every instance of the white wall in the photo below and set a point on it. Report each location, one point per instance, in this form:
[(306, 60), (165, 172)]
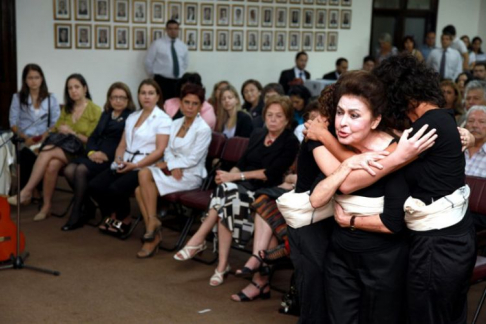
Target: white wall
[(35, 44)]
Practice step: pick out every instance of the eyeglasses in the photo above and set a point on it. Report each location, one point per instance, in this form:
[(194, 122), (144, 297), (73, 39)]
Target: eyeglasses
[(118, 98)]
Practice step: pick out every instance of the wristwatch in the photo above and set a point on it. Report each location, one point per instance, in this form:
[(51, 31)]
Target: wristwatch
[(351, 223), (243, 176)]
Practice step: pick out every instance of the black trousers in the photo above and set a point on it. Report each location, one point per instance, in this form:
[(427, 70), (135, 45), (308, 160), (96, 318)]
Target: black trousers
[(27, 159), (168, 86), (112, 192), (308, 249), (440, 269), (366, 287)]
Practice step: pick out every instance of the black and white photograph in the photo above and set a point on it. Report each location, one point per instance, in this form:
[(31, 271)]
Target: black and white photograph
[(295, 1), (62, 34), (320, 42), (294, 41), (157, 32), (62, 9), (308, 2), (139, 38), (281, 17), (346, 3), (307, 38), (333, 18), (238, 16), (83, 36), (102, 10), (267, 17), (269, 1), (190, 38), (175, 11), (308, 18), (139, 11), (332, 40), (252, 40), (222, 40), (207, 14), (207, 39), (237, 40), (334, 2), (281, 1), (122, 38), (294, 20), (191, 13), (252, 16), (82, 9), (266, 41), (102, 37), (121, 10), (280, 41), (223, 15), (321, 2), (158, 12), (321, 18), (345, 19)]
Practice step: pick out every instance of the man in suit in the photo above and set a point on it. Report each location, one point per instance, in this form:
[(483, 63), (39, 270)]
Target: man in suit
[(341, 67), (296, 75)]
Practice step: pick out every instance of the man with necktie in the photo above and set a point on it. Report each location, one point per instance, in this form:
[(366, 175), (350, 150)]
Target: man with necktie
[(296, 75), (167, 60), (446, 61)]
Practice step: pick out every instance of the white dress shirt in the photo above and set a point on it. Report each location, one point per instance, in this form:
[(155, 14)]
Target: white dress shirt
[(159, 58), (297, 73), (459, 45), (453, 66)]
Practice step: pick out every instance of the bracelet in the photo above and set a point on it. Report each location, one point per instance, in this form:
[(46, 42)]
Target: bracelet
[(351, 223), (243, 176)]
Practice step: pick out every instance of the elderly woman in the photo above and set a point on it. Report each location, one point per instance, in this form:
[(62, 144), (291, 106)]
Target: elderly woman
[(386, 48), (100, 149), (453, 99), (270, 153), (183, 167), (232, 121)]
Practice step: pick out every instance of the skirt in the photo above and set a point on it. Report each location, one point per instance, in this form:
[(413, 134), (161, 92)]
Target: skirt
[(168, 184), (267, 208)]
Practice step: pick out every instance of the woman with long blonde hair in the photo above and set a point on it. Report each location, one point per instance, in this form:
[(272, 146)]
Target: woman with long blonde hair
[(231, 120)]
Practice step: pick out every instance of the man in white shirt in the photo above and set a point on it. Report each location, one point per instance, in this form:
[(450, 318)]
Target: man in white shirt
[(446, 60), (458, 44), (167, 60)]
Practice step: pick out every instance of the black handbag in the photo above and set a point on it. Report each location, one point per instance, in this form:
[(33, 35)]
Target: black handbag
[(67, 142)]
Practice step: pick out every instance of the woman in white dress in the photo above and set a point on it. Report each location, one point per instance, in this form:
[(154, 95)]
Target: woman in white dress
[(183, 167)]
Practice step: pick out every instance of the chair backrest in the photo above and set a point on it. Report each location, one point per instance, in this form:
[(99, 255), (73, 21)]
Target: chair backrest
[(234, 149), (216, 146), (477, 200)]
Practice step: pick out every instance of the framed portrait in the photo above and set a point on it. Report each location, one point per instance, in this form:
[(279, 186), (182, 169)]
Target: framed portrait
[(223, 15), (346, 3), (238, 16), (345, 19), (175, 11), (252, 40), (157, 32), (191, 13), (320, 42), (281, 17), (281, 1), (102, 10), (269, 1), (295, 1), (62, 9), (294, 17), (333, 2), (252, 16), (139, 38), (122, 38), (207, 14), (190, 38), (333, 18), (266, 41), (321, 18), (82, 9), (280, 41), (332, 41), (308, 18), (83, 36), (308, 2), (222, 40), (158, 12), (139, 12), (102, 36), (62, 34), (237, 40), (294, 41), (121, 11), (207, 40), (321, 2), (307, 40), (267, 17)]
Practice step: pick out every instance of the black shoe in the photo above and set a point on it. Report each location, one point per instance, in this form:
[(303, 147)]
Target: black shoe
[(72, 227)]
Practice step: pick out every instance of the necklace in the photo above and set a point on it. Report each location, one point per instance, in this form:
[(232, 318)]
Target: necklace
[(269, 141)]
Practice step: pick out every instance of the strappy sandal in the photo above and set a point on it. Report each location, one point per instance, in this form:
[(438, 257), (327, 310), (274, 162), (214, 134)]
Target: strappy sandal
[(246, 272), (189, 252), (119, 228), (150, 236), (275, 254), (263, 295), (106, 224), (218, 277)]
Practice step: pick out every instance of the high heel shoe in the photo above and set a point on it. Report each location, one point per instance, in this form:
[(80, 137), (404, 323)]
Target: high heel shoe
[(189, 252), (144, 253), (263, 295), (13, 201), (150, 236), (40, 216), (218, 277), (246, 272)]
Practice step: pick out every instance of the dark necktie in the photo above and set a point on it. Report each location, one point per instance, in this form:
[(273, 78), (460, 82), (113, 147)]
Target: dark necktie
[(175, 60), (301, 75), (442, 64)]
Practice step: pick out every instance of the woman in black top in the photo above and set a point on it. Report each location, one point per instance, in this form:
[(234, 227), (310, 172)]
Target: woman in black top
[(231, 120), (251, 92), (101, 148)]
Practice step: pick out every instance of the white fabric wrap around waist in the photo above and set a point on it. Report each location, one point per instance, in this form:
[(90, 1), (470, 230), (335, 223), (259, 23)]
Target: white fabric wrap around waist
[(298, 211), (445, 212)]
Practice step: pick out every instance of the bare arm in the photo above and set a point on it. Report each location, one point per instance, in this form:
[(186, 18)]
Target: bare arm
[(236, 175), (120, 150), (366, 223)]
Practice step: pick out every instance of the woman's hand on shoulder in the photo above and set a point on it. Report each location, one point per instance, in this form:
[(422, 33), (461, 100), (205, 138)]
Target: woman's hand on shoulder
[(315, 128), (365, 161), (409, 148)]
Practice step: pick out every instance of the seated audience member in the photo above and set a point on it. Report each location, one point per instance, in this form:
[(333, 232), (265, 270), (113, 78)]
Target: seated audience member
[(183, 167), (386, 48), (32, 102), (476, 49), (270, 90), (479, 71), (214, 100), (172, 106), (341, 67), (296, 75), (457, 44), (475, 94), (453, 62), (429, 45), (476, 155), (270, 153), (299, 96), (100, 150), (453, 99), (231, 120), (311, 111), (142, 144), (461, 81), (251, 91), (368, 63), (409, 46), (78, 119)]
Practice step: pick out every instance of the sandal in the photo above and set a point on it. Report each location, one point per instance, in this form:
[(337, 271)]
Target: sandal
[(218, 277), (275, 254), (119, 228), (106, 224), (150, 236), (263, 295), (144, 253), (246, 272), (189, 252)]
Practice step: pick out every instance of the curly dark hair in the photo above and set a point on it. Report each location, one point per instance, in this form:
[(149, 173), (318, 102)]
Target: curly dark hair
[(327, 102), (408, 83)]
